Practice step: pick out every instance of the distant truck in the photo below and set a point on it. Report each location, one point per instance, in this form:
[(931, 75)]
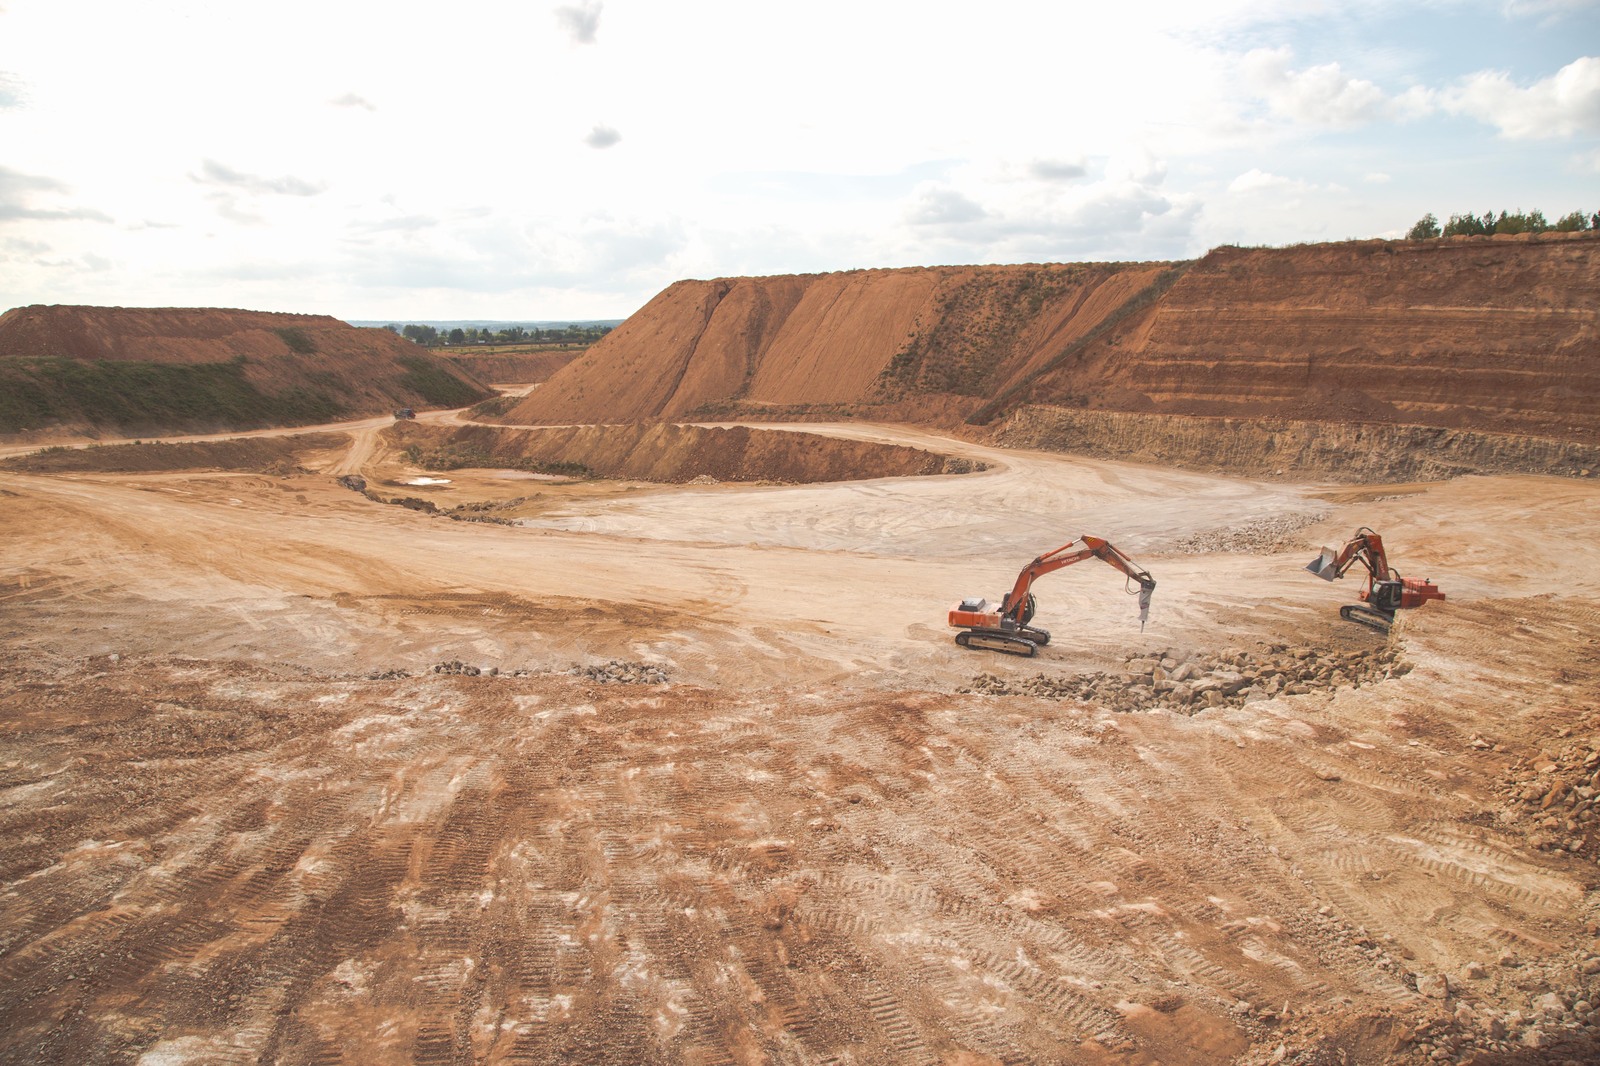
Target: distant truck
[(404, 412)]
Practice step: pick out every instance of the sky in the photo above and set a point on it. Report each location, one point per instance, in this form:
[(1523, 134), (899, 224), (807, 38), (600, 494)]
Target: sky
[(493, 159)]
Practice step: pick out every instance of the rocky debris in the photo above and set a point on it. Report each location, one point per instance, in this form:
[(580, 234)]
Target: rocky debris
[(617, 672), (704, 479), (354, 482), (387, 675), (1186, 683), (1264, 537), (456, 666), (1558, 792)]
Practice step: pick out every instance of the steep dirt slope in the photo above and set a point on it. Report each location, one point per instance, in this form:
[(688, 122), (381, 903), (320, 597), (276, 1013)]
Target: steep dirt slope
[(1496, 334), (1499, 335), (177, 369), (941, 338)]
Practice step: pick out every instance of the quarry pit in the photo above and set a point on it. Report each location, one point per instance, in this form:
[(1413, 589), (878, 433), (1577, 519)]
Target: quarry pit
[(686, 768)]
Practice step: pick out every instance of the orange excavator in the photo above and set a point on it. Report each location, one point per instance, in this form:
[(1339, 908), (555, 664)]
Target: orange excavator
[(1386, 591), (1005, 627)]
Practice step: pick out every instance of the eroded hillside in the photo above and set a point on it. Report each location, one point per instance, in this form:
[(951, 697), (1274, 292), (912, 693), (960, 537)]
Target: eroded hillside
[(176, 369), (1490, 335), (915, 343)]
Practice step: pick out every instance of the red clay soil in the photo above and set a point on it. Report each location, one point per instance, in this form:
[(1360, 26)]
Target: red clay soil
[(804, 340), (1499, 334)]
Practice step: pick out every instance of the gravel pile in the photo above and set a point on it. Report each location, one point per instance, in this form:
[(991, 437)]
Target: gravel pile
[(1265, 537), (1186, 683), (617, 672), (1557, 792)]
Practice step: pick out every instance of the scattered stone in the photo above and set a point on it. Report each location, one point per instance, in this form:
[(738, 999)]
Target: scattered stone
[(1262, 537), (617, 672), (456, 666)]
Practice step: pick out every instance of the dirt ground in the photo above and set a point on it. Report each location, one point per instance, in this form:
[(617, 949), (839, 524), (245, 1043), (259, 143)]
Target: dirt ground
[(289, 775)]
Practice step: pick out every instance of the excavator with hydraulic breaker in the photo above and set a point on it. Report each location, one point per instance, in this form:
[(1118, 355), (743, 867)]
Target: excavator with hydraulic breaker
[(1005, 627), (1386, 591)]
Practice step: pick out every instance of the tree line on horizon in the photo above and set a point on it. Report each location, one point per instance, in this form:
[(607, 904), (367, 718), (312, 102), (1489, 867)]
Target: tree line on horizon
[(433, 337), (1470, 225)]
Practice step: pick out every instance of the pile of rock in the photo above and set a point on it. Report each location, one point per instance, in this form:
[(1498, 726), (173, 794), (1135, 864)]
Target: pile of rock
[(456, 666), (1561, 1025), (617, 672), (1278, 533), (1184, 682), (387, 675), (1558, 792)]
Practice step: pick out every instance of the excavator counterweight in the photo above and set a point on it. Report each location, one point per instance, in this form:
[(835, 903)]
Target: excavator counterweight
[(1005, 626)]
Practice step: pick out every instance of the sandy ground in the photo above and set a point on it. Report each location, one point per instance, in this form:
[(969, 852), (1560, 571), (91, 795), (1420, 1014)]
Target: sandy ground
[(246, 820)]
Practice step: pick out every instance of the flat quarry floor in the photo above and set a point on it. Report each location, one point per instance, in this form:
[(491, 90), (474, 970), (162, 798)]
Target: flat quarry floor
[(697, 775)]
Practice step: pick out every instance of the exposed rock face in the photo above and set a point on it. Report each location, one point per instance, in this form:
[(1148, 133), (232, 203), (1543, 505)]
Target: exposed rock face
[(1267, 446), (1492, 335), (178, 368)]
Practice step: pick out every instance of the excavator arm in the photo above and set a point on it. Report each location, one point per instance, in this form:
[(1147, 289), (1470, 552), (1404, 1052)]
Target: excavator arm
[(1006, 628)]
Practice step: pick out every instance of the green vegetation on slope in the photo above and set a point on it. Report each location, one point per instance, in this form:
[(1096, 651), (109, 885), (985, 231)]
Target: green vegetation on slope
[(434, 384), (139, 397)]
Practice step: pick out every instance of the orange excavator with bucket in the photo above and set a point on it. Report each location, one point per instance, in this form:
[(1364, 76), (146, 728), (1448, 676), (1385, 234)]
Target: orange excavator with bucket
[(1386, 591), (1005, 627)]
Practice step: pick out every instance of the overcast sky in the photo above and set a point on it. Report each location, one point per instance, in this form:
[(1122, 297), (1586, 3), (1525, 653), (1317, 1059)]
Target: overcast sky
[(498, 159)]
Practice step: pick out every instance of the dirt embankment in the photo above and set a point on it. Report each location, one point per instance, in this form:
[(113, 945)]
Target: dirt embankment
[(670, 454), (1497, 334), (920, 342), (270, 455), (94, 370), (1477, 335), (1269, 446)]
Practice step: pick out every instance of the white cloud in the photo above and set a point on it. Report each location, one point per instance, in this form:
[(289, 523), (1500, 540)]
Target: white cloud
[(18, 192), (10, 90), (353, 100), (215, 173), (602, 136), (942, 206), (1323, 95), (581, 22), (1566, 104), (1058, 169), (1256, 180)]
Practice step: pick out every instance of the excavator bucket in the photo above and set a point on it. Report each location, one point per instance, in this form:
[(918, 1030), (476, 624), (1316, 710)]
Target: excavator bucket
[(1324, 566)]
